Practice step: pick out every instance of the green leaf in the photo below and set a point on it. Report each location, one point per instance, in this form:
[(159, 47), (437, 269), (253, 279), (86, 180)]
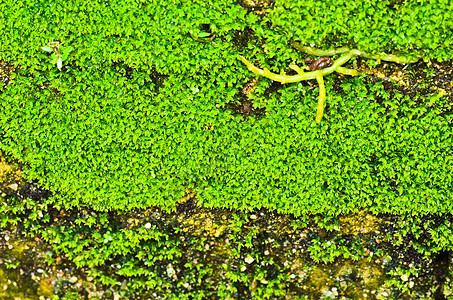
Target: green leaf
[(47, 48), (204, 34), (59, 63)]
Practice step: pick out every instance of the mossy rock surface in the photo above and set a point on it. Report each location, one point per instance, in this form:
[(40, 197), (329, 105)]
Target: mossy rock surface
[(197, 253), (153, 111), (142, 109)]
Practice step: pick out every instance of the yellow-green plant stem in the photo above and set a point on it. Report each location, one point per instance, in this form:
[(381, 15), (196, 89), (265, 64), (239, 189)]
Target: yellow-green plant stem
[(319, 52), (301, 75), (318, 75), (322, 96), (355, 52), (283, 78)]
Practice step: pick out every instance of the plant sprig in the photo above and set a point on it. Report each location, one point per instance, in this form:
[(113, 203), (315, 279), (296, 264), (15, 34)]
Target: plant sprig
[(60, 53)]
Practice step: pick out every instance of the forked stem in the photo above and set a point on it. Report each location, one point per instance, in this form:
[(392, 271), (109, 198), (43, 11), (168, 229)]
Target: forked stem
[(318, 75)]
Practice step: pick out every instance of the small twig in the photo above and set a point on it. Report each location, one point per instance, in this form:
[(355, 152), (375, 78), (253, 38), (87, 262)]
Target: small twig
[(355, 52), (318, 74), (322, 97), (301, 75), (283, 78)]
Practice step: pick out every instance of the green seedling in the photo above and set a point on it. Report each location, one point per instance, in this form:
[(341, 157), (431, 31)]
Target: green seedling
[(60, 53), (346, 53)]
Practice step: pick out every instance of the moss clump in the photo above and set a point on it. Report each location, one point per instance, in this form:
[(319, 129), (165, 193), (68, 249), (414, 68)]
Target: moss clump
[(136, 115)]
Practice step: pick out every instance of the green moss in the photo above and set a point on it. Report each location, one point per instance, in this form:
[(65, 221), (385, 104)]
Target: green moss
[(136, 115), (198, 253)]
